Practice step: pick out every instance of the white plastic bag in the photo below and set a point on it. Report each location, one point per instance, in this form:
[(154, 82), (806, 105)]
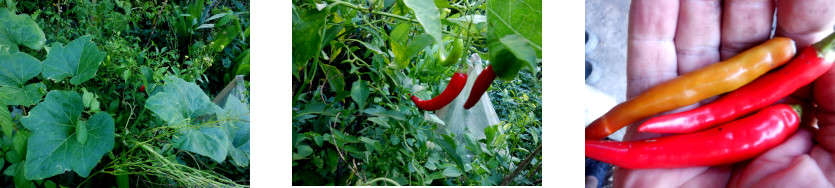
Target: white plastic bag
[(457, 119)]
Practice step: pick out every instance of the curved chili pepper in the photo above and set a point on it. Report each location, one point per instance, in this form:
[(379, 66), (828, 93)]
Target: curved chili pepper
[(695, 86), (800, 71), (456, 84), (454, 53), (482, 82), (729, 143)]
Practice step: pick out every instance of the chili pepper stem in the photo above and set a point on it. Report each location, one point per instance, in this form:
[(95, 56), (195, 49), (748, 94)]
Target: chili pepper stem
[(797, 109), (826, 48)]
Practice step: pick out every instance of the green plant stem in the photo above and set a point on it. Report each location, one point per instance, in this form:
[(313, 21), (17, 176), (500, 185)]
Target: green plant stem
[(384, 179), (369, 11), (307, 79)]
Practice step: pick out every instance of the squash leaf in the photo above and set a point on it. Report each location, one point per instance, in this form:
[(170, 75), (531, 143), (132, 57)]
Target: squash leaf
[(80, 60), (19, 29), (183, 105), (15, 70), (237, 116), (6, 123), (53, 148)]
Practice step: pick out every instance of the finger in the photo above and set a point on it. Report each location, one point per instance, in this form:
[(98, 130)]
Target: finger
[(651, 57), (774, 160), (805, 21), (801, 172), (656, 177), (697, 34), (745, 23), (824, 160), (824, 95), (717, 176), (826, 133)]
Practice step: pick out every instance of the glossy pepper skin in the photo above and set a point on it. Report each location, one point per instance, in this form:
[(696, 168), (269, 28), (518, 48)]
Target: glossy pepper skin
[(456, 84), (800, 71), (454, 54), (692, 87), (729, 143), (482, 82)]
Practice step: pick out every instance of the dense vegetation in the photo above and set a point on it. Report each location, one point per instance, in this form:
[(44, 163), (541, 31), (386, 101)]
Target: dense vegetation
[(124, 93), (355, 64)]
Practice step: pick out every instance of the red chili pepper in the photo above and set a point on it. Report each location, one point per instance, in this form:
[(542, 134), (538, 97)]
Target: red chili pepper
[(712, 80), (800, 71), (480, 86), (456, 84), (142, 89), (729, 143)]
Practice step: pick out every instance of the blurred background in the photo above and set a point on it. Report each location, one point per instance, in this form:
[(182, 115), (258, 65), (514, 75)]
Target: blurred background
[(606, 29)]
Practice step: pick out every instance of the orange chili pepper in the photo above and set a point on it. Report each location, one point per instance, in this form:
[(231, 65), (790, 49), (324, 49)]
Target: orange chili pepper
[(709, 81)]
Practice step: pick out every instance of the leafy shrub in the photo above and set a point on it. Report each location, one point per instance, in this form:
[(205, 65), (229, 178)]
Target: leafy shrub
[(74, 113), (355, 64)]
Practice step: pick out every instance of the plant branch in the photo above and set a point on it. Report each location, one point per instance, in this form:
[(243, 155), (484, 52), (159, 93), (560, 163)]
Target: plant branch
[(387, 180), (521, 166), (538, 168), (154, 28), (353, 169), (368, 10)]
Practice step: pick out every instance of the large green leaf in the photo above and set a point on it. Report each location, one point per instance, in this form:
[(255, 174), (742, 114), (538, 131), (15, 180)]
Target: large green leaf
[(511, 55), (307, 37), (237, 114), (183, 104), (19, 30), (207, 140), (413, 48), (428, 16), (225, 35), (522, 17), (15, 70), (398, 39), (26, 96), (53, 148), (180, 102), (243, 63), (80, 59)]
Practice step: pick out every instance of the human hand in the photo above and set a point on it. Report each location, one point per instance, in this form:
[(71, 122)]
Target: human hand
[(670, 38)]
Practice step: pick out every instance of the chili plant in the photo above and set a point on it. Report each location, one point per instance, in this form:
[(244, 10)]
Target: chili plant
[(357, 63)]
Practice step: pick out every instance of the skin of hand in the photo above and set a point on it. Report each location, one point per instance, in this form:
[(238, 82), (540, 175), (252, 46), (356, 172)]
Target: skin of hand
[(668, 38)]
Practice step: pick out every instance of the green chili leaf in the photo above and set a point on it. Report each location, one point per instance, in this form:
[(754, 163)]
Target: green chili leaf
[(334, 77), (521, 17), (428, 16), (360, 92)]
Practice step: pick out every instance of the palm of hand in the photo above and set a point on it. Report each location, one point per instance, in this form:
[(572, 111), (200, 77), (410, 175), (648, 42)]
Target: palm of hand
[(671, 38)]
